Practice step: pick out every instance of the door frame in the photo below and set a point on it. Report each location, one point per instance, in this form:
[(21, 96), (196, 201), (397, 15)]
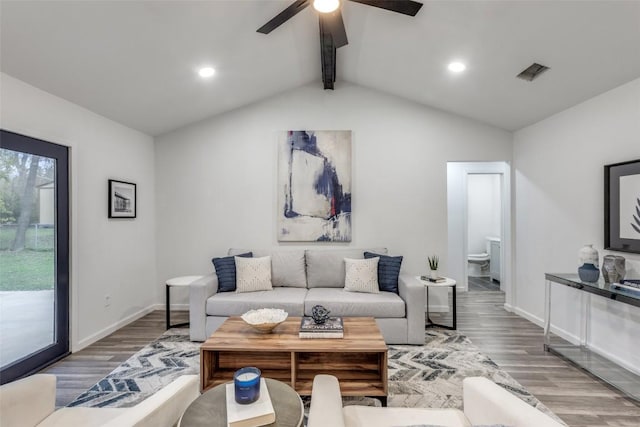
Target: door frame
[(60, 348), (457, 222)]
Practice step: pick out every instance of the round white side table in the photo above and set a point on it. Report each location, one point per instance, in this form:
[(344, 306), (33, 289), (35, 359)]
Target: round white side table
[(448, 282), (182, 281)]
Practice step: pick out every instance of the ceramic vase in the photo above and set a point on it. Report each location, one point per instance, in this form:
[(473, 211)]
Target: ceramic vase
[(613, 268), (588, 266), (588, 273), (588, 255), (434, 274)]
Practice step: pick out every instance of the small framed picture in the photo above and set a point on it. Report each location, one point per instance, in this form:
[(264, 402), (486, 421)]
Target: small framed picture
[(622, 207), (122, 199)]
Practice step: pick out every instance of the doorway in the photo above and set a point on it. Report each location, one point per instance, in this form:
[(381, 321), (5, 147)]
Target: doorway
[(484, 230), (34, 254), (459, 244)]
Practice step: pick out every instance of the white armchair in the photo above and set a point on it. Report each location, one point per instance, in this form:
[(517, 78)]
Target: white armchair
[(31, 402), (485, 403)]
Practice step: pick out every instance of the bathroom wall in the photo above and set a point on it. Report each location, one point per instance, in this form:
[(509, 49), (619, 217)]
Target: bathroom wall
[(483, 204)]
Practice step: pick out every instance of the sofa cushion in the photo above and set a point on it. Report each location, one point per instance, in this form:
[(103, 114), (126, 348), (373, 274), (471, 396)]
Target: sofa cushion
[(290, 300), (361, 275), (369, 416), (253, 274), (388, 271), (287, 266), (355, 304), (226, 272), (80, 416), (325, 267)]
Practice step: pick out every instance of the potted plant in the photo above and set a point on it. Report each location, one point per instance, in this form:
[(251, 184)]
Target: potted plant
[(433, 266)]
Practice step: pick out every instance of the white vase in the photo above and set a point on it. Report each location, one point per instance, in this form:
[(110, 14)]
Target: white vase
[(434, 274), (588, 255)]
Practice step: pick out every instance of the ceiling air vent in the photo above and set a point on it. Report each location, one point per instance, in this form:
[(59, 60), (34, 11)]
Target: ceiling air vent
[(532, 72)]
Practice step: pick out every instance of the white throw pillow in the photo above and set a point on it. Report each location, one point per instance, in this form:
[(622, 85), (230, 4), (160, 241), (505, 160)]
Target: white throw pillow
[(253, 274), (361, 275)]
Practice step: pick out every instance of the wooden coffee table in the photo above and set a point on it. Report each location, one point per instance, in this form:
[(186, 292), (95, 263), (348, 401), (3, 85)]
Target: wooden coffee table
[(359, 360)]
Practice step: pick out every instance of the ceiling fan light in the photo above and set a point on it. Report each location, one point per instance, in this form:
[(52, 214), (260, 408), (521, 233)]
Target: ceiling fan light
[(326, 6), (457, 67), (205, 72)]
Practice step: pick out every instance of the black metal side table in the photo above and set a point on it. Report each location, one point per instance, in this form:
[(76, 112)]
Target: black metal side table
[(448, 283), (183, 281)]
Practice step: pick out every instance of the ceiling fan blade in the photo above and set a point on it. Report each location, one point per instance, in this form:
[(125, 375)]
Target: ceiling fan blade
[(327, 56), (406, 7), (335, 25), (284, 16)]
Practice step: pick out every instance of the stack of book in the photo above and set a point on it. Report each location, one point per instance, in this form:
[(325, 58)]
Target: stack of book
[(331, 328), (432, 280), (632, 288), (634, 283), (258, 413)]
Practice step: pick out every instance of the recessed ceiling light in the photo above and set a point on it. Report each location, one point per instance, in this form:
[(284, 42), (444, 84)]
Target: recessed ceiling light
[(206, 72), (456, 67), (326, 6)]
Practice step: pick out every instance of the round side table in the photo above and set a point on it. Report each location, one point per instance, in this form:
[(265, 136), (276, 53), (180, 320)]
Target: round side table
[(448, 282), (210, 409), (183, 281)]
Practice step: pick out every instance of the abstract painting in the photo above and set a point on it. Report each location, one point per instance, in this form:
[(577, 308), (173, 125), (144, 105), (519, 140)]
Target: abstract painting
[(314, 186)]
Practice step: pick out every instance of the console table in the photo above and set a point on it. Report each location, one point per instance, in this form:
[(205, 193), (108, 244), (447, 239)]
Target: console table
[(580, 355)]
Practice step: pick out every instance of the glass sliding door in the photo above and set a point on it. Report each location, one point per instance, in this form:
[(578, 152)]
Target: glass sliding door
[(34, 254)]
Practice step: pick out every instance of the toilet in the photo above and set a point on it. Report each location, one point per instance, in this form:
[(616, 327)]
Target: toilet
[(479, 263)]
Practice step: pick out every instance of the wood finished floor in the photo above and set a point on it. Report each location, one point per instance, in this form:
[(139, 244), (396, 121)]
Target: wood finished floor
[(482, 284), (514, 343)]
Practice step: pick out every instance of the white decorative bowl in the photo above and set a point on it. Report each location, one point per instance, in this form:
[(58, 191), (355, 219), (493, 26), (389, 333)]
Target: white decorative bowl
[(265, 319)]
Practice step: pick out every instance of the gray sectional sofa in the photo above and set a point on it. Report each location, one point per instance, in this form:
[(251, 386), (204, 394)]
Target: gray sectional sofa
[(304, 278)]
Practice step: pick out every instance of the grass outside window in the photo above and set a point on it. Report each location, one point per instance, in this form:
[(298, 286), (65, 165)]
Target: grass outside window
[(31, 269)]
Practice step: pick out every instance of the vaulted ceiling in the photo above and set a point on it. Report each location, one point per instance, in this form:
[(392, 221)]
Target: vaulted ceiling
[(136, 61)]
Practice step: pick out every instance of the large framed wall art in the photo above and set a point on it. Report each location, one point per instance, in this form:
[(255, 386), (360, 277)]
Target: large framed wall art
[(314, 186), (622, 206)]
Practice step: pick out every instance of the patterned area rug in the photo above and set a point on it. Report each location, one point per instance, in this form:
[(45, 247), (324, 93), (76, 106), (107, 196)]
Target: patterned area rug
[(428, 376)]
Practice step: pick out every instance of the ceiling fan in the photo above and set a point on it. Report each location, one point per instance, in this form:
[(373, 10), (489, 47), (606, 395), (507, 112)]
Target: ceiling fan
[(333, 34)]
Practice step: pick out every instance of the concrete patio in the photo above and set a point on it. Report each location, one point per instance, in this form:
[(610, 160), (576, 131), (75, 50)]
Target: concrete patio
[(26, 323)]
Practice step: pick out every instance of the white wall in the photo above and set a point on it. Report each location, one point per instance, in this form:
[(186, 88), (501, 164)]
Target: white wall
[(216, 179), (484, 206), (115, 257), (559, 183)]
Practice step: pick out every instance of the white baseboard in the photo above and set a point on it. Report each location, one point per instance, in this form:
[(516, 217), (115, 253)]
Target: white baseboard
[(573, 339), (438, 308), (625, 364), (174, 307), (111, 329), (509, 308)]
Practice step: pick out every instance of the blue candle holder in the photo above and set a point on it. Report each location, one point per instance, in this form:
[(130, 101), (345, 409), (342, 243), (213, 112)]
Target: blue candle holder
[(247, 385)]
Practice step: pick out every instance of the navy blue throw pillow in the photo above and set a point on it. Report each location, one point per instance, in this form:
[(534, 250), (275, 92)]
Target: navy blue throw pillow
[(388, 271), (226, 272)]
